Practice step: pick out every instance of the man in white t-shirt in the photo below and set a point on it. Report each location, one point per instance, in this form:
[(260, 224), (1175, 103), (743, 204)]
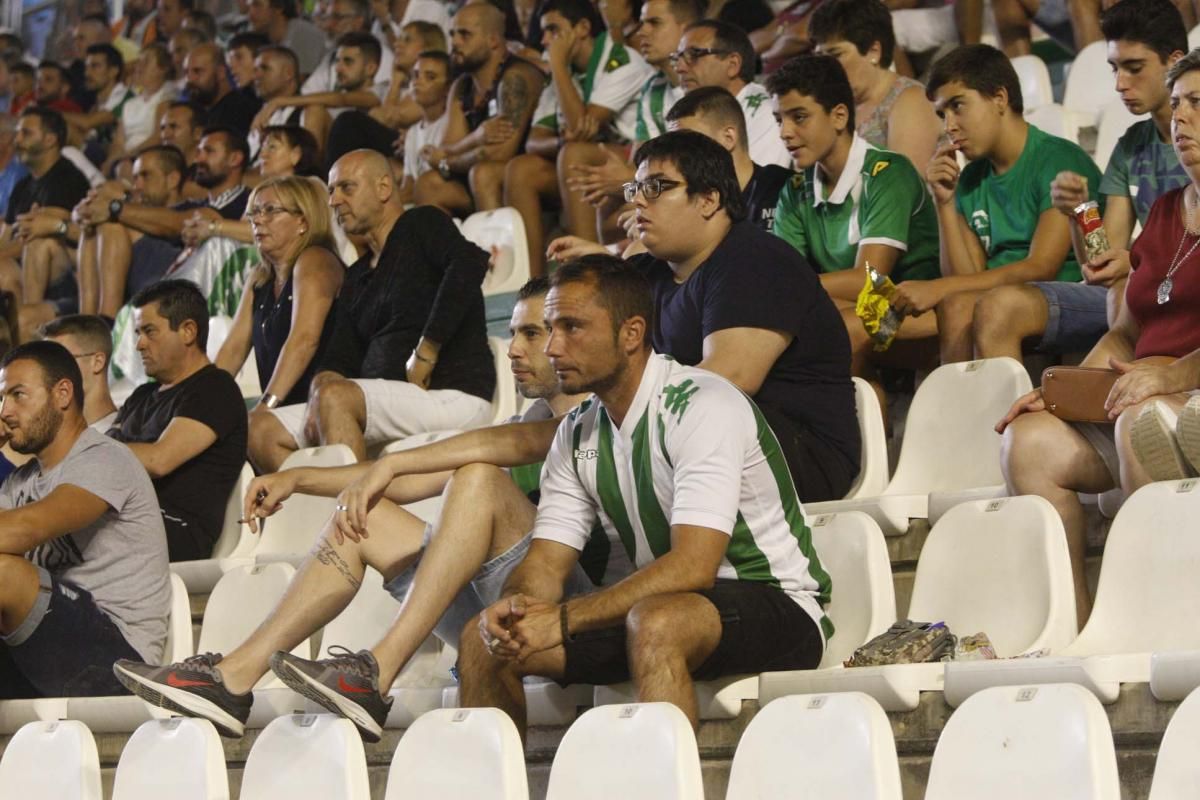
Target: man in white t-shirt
[(683, 472), (430, 86), (715, 53), (347, 16), (590, 105), (277, 79)]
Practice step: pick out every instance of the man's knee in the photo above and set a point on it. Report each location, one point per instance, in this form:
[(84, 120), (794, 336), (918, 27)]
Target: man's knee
[(575, 153), (341, 398), (429, 186), (267, 433), (480, 479), (486, 176), (1006, 309), (662, 626)]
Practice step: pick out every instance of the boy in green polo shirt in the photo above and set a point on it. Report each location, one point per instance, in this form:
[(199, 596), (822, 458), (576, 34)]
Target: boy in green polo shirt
[(997, 224), (849, 204)]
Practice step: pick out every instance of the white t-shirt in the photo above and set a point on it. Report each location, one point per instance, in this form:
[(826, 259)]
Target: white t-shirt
[(323, 79), (692, 450), (766, 146), (434, 11), (138, 116), (613, 79), (280, 117), (418, 136)]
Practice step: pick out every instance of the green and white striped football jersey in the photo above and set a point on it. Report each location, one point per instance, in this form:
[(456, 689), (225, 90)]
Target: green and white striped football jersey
[(693, 450)]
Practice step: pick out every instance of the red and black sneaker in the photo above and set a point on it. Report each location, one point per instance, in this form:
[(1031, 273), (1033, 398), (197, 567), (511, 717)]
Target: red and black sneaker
[(347, 684), (192, 687)]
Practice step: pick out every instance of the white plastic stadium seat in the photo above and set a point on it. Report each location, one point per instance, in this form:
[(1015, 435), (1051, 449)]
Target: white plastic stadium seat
[(1177, 770), (1115, 119), (1147, 587), (1034, 742), (641, 751), (247, 377), (999, 567), (1194, 38), (1035, 82), (51, 760), (504, 230), (873, 471), (1090, 86), (429, 508), (1174, 674), (178, 758), (460, 754), (234, 547), (950, 443), (360, 626), (124, 713), (505, 398), (307, 757), (1054, 120), (834, 745), (290, 532)]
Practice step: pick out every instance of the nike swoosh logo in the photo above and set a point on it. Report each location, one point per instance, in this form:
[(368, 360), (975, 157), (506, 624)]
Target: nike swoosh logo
[(345, 687), (183, 683)]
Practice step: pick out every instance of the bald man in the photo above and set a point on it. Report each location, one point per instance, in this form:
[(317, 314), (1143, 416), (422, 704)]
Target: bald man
[(491, 105), (409, 350), (207, 85)]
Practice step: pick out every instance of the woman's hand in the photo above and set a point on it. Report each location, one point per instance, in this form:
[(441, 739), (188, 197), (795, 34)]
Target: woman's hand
[(1026, 404), (1140, 381)]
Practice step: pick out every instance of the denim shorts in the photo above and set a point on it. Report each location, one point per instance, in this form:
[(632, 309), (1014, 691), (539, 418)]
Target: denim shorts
[(1078, 316), (65, 647), (483, 590)]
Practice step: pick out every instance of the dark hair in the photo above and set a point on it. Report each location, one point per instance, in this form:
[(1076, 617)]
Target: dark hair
[(162, 55), (233, 141), (288, 7), (203, 21), (285, 53), (251, 40), (704, 165), (574, 11), (309, 164), (191, 37), (90, 327), (860, 22), (362, 8), (178, 301), (686, 12), (96, 18), (52, 122), (365, 42), (534, 287), (438, 56), (112, 56), (622, 289), (820, 77), (57, 67), (1154, 23), (716, 103), (199, 115), (981, 68), (432, 35), (170, 156), (56, 362), (23, 67), (732, 40)]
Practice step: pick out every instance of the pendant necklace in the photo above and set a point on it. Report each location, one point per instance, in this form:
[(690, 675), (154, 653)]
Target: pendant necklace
[(1164, 288)]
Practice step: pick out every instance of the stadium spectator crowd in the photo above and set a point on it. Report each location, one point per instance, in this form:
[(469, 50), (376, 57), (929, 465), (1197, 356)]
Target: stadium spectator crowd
[(704, 188)]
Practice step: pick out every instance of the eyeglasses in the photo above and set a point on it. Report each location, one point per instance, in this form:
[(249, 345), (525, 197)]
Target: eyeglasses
[(269, 212), (650, 188), (691, 55)]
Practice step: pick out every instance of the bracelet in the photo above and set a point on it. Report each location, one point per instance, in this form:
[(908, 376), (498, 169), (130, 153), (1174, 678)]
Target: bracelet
[(270, 400), (212, 227), (419, 357), (562, 620)]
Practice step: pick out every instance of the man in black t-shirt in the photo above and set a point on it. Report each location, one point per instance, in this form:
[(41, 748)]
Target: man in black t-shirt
[(730, 299), (717, 114), (207, 85), (35, 247), (188, 428)]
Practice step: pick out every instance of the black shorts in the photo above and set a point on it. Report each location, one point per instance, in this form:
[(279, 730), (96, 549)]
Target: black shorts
[(65, 647), (762, 629), (186, 540), (820, 471)]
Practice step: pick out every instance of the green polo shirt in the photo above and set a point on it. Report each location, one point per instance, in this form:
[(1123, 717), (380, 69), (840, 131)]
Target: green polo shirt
[(879, 199)]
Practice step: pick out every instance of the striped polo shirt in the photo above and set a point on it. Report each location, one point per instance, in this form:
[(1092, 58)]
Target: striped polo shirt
[(692, 450)]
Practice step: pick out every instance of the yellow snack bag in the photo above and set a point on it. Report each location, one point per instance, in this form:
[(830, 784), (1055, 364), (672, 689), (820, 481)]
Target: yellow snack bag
[(874, 308)]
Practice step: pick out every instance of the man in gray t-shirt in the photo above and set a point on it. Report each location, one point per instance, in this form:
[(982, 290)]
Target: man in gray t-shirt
[(83, 554)]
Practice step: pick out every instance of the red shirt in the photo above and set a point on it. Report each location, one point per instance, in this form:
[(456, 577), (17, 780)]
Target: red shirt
[(1172, 329)]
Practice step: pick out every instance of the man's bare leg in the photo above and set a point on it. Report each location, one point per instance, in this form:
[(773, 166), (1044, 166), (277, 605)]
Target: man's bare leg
[(955, 317), (324, 585), (1006, 316), (449, 195), (485, 681), (527, 180), (19, 586), (88, 259), (116, 256), (342, 415), (43, 261), (487, 185), (269, 442), (579, 215), (668, 637), (483, 515)]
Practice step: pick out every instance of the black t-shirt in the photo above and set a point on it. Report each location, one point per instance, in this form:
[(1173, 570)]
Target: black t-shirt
[(761, 194), (235, 110), (749, 15), (63, 186), (197, 490), (427, 283), (756, 280)]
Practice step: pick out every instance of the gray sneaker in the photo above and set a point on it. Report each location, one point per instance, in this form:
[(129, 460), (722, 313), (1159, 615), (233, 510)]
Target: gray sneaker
[(346, 683), (1187, 431), (192, 687), (1155, 446)]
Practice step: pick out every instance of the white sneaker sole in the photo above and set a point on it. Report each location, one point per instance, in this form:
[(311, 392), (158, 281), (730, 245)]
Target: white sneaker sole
[(181, 702), (1188, 432), (309, 687), (1155, 446)]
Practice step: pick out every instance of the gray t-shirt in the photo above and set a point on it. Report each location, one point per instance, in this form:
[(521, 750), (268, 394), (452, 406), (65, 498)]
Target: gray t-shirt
[(121, 558)]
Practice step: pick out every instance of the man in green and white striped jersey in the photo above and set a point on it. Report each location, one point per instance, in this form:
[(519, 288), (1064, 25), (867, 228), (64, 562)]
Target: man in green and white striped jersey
[(682, 470)]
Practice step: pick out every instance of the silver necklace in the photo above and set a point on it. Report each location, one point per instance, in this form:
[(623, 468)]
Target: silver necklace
[(1164, 288)]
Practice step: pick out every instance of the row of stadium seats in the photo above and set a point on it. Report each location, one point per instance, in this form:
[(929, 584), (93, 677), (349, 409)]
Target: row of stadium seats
[(1037, 742)]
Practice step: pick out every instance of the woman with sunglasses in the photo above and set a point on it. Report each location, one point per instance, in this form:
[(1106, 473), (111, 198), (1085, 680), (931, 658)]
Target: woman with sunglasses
[(285, 312)]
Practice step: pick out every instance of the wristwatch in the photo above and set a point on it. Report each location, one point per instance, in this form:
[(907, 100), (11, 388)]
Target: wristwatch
[(61, 229), (443, 168), (114, 208)]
